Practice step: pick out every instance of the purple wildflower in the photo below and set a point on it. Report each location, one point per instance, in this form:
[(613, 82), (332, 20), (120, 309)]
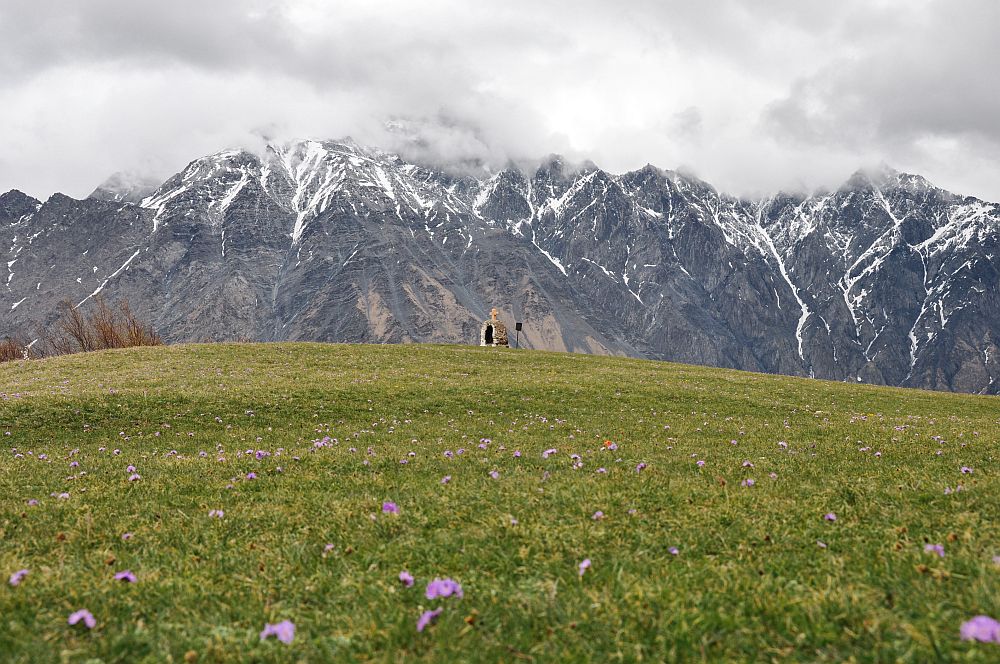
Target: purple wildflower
[(134, 477), (821, 544), (700, 463), (966, 470), (130, 469), (251, 475), (389, 507), (126, 537), (639, 468), (549, 452), (406, 578), (283, 631), (74, 464), (598, 515), (673, 550), (448, 454), (83, 614), (63, 496), (216, 514), (829, 516), (517, 454), (445, 479), (427, 617), (601, 471), (981, 628), (935, 548), (17, 577), (747, 464), (494, 474), (443, 588), (32, 502), (584, 566), (126, 576), (748, 482)]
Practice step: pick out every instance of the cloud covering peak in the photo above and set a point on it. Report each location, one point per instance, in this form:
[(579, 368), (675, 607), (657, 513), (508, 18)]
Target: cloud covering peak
[(753, 97)]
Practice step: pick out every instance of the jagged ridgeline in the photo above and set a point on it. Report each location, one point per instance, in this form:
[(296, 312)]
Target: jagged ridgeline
[(887, 280)]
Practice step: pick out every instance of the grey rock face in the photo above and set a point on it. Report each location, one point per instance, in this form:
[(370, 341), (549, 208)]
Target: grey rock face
[(887, 280)]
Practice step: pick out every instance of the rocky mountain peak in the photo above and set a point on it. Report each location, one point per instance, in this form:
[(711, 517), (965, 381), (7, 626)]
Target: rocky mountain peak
[(125, 187), (16, 204), (881, 177)]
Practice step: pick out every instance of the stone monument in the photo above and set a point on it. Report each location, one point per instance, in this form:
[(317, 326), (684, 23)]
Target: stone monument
[(493, 332)]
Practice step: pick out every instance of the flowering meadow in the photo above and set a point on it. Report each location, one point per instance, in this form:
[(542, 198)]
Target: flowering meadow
[(309, 502)]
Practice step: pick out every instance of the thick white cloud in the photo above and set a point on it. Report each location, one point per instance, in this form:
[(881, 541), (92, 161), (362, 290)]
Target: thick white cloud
[(752, 96)]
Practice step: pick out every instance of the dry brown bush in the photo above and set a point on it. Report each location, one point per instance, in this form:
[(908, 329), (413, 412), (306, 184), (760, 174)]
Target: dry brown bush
[(106, 326), (14, 348)]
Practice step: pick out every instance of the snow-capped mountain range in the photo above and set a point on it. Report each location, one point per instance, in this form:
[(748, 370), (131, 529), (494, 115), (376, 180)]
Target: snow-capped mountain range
[(886, 280)]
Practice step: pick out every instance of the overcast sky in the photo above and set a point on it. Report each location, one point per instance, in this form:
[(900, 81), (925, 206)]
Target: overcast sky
[(752, 96)]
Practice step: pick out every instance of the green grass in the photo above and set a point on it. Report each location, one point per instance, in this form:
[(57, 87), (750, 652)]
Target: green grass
[(750, 581)]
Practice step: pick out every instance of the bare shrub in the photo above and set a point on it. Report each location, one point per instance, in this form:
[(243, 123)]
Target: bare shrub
[(73, 334), (14, 348), (106, 326), (136, 332)]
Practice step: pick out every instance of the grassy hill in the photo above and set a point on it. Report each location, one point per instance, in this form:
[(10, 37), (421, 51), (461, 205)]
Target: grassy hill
[(299, 445)]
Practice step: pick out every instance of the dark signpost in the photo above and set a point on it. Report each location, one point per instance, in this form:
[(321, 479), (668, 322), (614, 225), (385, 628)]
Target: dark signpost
[(517, 336)]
